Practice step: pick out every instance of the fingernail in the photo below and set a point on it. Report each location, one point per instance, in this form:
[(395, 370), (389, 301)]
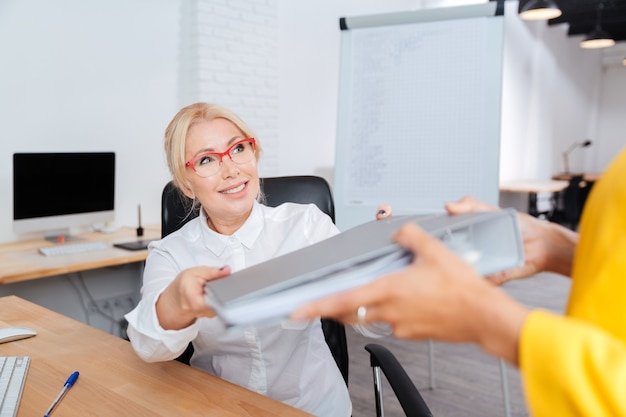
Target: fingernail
[(382, 212), (297, 316), (223, 268)]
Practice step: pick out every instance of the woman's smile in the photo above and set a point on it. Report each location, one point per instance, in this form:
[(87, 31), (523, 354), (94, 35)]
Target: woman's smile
[(235, 189)]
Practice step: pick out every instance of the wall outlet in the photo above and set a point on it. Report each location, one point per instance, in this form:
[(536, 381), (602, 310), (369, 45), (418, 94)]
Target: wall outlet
[(108, 313)]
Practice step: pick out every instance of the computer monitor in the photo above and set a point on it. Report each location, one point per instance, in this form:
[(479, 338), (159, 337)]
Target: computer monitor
[(56, 192)]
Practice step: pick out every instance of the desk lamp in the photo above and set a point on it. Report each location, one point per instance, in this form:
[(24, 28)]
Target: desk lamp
[(569, 150)]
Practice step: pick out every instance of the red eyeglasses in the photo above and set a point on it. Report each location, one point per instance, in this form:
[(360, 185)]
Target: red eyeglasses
[(209, 163)]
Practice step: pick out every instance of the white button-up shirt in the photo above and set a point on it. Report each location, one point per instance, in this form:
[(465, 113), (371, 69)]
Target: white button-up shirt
[(290, 361)]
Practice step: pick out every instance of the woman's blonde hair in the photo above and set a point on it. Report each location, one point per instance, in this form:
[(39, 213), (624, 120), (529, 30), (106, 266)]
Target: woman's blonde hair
[(176, 136)]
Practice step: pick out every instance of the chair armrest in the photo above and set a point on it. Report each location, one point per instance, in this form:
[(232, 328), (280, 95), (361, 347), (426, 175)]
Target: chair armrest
[(409, 397)]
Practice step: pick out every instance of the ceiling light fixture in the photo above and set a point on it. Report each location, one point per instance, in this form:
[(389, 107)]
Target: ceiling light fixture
[(598, 38), (538, 10)]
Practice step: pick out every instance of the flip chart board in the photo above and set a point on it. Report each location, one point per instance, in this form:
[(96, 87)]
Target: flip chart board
[(419, 110)]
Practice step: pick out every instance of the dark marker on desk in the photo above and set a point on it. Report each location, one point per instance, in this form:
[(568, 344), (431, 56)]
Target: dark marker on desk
[(68, 384), (139, 228)]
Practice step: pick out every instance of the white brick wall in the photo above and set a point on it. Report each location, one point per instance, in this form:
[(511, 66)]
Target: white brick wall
[(229, 56)]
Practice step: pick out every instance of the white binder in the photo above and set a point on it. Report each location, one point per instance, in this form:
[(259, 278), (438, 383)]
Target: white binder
[(269, 291)]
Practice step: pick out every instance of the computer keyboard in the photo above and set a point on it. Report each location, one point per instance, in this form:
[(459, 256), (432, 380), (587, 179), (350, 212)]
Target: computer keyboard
[(13, 370), (68, 249)]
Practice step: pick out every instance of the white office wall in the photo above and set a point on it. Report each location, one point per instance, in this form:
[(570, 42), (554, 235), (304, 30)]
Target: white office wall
[(90, 76), (611, 125), (231, 58), (549, 97)]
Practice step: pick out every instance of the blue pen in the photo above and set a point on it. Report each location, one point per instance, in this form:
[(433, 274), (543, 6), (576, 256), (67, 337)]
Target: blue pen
[(68, 384)]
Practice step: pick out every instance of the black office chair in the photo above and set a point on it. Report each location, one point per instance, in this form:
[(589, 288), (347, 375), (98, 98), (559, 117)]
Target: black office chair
[(176, 210), (408, 396), (571, 202)]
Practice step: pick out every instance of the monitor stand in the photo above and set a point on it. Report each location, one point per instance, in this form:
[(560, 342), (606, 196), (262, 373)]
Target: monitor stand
[(61, 236)]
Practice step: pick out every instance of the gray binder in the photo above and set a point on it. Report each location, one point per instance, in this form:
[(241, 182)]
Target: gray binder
[(269, 291)]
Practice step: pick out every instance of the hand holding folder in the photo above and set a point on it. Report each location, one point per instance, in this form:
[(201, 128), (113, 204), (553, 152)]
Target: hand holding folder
[(269, 291)]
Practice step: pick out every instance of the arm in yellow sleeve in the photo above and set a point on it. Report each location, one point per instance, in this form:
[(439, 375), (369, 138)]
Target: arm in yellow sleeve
[(571, 368)]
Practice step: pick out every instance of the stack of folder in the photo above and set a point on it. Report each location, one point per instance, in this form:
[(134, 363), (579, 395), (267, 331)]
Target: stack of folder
[(269, 291)]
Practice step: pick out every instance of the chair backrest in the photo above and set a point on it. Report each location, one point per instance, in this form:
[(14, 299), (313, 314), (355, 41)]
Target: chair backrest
[(176, 211), (573, 200)]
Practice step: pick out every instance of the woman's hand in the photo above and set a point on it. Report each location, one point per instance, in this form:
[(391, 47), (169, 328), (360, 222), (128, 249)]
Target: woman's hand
[(182, 302), (384, 211)]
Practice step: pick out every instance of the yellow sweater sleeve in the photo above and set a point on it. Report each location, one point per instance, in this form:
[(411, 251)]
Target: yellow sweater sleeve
[(571, 368)]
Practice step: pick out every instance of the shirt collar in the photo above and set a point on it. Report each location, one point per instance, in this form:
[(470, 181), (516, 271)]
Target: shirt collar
[(247, 234)]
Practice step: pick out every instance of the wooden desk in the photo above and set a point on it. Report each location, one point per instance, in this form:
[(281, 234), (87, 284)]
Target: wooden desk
[(533, 187), (587, 176), (22, 261), (113, 380), (537, 186)]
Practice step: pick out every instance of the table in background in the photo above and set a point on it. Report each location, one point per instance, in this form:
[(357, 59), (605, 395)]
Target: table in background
[(113, 380), (534, 187), (587, 176), (21, 261)]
